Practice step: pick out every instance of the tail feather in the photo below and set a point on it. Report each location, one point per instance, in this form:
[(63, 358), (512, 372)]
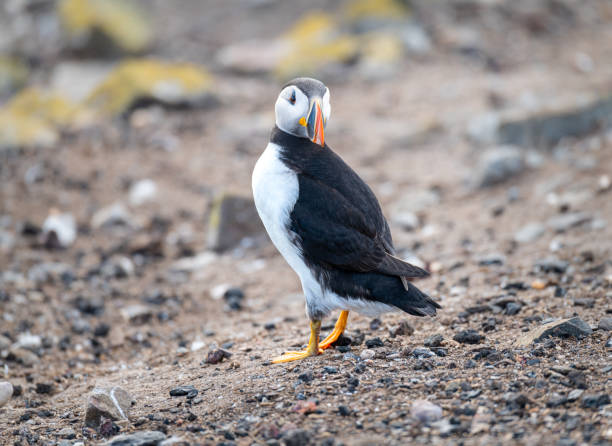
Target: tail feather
[(417, 303)]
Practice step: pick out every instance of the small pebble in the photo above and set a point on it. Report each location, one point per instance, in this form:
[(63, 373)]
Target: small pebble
[(6, 392)]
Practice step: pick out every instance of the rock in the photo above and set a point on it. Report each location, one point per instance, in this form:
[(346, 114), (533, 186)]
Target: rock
[(374, 343), (136, 314), (28, 341), (367, 354), (112, 403), (422, 352), (314, 43), (574, 327), (408, 221), (403, 329), (574, 395), (142, 192), (105, 28), (13, 75), (59, 230), (6, 392), (234, 297), (433, 340), (195, 263), (23, 356), (591, 401), (415, 201), (233, 221), (497, 166), (136, 82), (529, 233), (255, 56), (297, 437), (605, 323), (425, 411), (113, 215), (44, 388), (34, 118), (117, 267), (67, 433), (189, 391), (545, 127), (469, 337), (217, 356), (551, 265), (492, 259), (563, 222), (144, 438)]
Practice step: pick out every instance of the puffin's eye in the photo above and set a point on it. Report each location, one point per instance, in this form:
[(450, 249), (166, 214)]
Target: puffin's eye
[(292, 98)]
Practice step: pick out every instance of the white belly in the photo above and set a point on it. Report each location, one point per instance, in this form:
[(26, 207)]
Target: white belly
[(275, 191)]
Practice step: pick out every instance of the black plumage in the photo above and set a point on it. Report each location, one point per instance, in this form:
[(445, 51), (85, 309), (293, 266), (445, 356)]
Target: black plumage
[(342, 234)]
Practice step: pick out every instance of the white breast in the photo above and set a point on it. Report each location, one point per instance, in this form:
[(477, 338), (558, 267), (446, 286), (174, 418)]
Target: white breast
[(275, 190)]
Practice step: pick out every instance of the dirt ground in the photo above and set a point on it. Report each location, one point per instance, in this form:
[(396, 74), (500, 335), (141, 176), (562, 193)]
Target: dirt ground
[(404, 135)]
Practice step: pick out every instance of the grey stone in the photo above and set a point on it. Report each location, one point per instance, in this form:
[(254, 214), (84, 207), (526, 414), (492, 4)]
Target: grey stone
[(551, 265), (563, 222), (233, 220), (297, 437), (497, 166), (28, 341), (112, 403), (545, 127), (136, 314), (529, 233), (113, 215), (492, 259), (67, 433), (142, 192), (574, 395), (605, 323), (25, 357), (6, 392), (415, 201), (143, 438), (433, 340), (574, 327), (425, 411)]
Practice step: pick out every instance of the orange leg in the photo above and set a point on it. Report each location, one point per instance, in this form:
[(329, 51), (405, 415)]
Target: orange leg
[(338, 330), (312, 349)]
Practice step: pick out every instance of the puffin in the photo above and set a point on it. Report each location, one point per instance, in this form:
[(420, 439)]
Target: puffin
[(327, 223)]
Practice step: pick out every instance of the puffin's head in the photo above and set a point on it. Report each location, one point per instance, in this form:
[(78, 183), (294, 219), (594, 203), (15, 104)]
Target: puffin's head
[(302, 109)]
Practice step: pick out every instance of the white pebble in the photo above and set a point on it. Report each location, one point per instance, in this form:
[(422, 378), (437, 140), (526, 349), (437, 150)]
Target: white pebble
[(6, 392), (425, 411)]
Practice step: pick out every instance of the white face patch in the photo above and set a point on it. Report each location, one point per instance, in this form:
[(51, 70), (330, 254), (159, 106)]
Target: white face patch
[(292, 105), (326, 107)]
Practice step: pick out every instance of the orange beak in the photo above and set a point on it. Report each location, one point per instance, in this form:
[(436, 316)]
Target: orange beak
[(315, 124)]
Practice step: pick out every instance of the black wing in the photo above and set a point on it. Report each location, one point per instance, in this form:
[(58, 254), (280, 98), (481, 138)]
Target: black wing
[(337, 217), (334, 232)]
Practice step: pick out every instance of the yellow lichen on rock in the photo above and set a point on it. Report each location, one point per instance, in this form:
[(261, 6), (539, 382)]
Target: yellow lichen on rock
[(135, 80), (13, 74), (122, 24), (34, 118), (313, 42), (375, 9), (382, 47)]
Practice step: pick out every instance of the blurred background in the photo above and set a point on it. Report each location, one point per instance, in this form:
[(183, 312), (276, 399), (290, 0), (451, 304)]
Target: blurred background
[(129, 131)]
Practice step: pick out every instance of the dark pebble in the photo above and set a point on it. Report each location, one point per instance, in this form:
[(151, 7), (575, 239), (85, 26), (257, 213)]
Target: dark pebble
[(306, 377), (595, 401), (189, 391), (216, 356), (375, 324), (101, 330), (470, 364), (433, 340), (403, 329), (551, 266), (330, 370), (44, 388), (512, 308), (344, 411), (556, 400), (270, 326), (234, 297), (469, 337), (374, 342), (297, 437), (560, 292)]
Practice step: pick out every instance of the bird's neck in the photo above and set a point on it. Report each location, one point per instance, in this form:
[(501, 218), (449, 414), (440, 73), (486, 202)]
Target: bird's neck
[(285, 139)]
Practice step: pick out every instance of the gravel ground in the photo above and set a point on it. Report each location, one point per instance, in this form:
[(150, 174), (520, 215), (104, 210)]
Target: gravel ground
[(116, 308)]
